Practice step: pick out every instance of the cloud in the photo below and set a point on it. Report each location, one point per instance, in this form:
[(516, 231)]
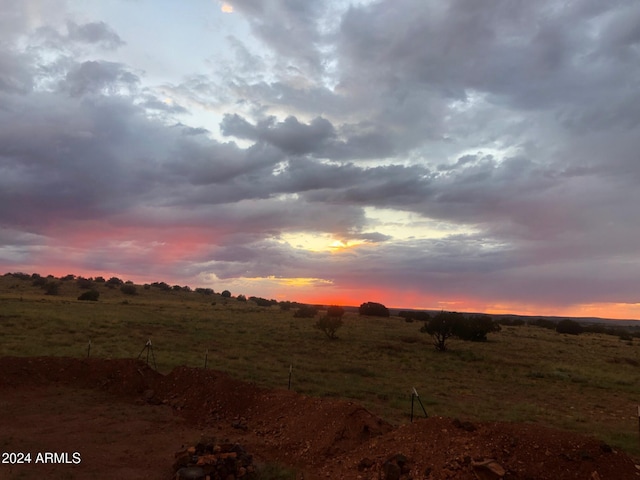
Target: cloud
[(94, 33), (496, 143), (96, 77)]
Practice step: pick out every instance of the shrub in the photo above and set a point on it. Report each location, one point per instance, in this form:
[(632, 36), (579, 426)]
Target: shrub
[(84, 283), (263, 302), (329, 325), (335, 311), (306, 311), (241, 298), (51, 288), (476, 327), (226, 294), (570, 327), (162, 286), (91, 295), (204, 291), (39, 281), (114, 281), (129, 289), (410, 315), (374, 309), (285, 306)]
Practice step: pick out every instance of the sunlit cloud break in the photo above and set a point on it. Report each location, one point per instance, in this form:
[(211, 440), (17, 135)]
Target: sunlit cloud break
[(420, 154)]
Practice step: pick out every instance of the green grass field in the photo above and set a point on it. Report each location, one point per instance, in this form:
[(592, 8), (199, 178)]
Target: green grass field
[(587, 383)]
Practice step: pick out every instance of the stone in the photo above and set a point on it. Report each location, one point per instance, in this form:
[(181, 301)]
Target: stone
[(365, 463), (488, 470)]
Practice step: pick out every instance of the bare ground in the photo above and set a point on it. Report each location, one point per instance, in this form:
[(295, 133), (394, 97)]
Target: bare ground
[(126, 421)]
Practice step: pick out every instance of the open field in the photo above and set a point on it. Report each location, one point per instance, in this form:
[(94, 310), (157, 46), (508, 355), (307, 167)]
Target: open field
[(587, 383)]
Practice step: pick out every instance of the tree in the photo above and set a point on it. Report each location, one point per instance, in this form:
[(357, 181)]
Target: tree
[(226, 294), (129, 289), (91, 295), (241, 298), (442, 326), (374, 309), (329, 325)]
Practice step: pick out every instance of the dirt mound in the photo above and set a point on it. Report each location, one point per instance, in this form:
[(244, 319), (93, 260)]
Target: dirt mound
[(322, 438)]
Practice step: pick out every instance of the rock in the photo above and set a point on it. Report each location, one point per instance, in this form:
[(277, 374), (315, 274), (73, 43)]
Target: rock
[(395, 466), (466, 426), (365, 463), (391, 471), (488, 470)]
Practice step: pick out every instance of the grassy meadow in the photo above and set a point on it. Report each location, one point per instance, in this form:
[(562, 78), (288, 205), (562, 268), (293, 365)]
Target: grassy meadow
[(587, 383)]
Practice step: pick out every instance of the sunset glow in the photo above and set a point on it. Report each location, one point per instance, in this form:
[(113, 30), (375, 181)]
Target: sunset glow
[(328, 152)]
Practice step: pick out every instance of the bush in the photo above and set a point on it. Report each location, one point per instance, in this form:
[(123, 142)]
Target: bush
[(51, 288), (329, 325), (410, 315), (306, 311), (373, 309), (39, 281), (114, 281), (84, 283), (91, 295), (129, 289), (335, 311), (442, 326), (263, 302), (570, 327), (475, 328), (241, 298), (226, 294)]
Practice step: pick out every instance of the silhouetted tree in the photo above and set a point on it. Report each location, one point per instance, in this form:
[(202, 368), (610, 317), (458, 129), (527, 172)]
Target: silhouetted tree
[(329, 325), (442, 326), (226, 294), (374, 309)]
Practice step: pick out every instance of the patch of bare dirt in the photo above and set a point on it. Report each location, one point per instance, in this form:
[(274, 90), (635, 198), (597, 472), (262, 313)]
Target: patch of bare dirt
[(127, 421)]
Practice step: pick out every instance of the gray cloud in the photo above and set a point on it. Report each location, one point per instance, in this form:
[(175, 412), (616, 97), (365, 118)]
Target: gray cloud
[(94, 33), (515, 125)]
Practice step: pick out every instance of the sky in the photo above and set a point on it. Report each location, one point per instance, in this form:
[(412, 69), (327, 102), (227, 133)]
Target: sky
[(460, 155)]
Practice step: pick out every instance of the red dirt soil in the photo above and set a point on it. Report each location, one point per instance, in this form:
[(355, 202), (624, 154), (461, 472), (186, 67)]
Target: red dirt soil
[(127, 421)]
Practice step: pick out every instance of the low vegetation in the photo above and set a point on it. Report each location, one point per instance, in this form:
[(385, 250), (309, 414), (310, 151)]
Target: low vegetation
[(588, 383)]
